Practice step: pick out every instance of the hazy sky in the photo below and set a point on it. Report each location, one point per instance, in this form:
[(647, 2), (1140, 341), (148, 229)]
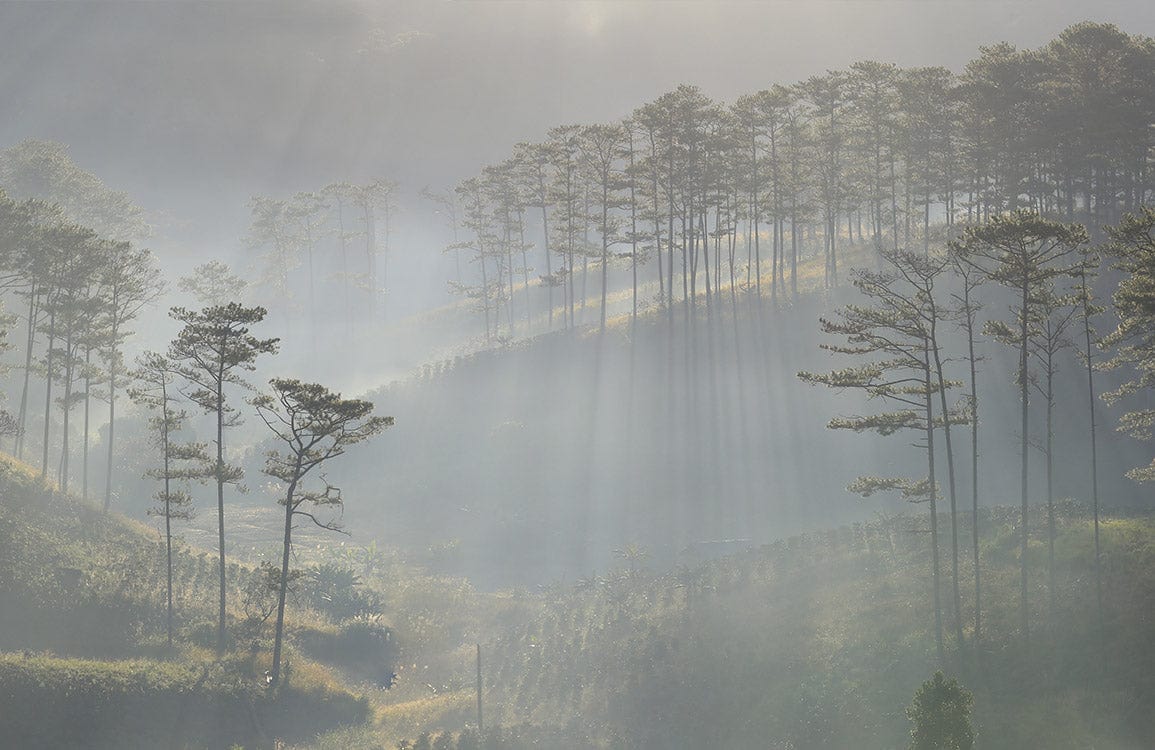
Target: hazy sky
[(194, 106)]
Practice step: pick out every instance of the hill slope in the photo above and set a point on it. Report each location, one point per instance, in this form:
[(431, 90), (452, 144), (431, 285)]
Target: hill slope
[(77, 583)]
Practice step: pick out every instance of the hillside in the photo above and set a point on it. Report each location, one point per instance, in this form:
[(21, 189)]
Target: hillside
[(83, 660), (819, 642), (689, 434), (811, 642)]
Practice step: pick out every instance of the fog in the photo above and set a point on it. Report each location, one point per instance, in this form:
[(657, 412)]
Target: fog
[(646, 409)]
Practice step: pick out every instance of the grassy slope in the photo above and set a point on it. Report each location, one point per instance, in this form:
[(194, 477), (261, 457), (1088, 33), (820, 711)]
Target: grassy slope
[(820, 643), (816, 642), (88, 586)]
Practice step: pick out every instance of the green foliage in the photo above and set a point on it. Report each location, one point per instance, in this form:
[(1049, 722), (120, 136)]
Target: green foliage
[(1133, 341), (941, 714), (815, 642), (363, 646)]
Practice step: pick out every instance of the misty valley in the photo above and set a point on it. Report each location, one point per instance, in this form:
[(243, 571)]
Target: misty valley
[(801, 413)]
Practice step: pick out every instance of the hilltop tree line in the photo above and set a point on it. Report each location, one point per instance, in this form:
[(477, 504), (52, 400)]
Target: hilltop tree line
[(343, 228), (688, 200)]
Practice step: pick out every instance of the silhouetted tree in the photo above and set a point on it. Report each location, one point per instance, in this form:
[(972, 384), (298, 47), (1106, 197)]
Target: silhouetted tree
[(1026, 253), (211, 351), (941, 712), (314, 425), (130, 280), (898, 332), (1087, 311), (155, 378)]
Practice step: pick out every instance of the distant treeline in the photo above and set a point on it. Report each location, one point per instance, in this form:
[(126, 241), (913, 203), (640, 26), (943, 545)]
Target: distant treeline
[(699, 198)]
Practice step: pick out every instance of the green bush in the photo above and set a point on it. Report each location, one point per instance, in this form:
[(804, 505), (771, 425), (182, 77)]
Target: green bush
[(941, 713), (363, 645)]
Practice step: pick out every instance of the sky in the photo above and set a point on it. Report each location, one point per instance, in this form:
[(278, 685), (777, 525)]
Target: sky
[(194, 106)]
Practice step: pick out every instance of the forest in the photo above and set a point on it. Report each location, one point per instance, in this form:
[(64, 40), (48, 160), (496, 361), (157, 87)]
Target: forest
[(818, 416)]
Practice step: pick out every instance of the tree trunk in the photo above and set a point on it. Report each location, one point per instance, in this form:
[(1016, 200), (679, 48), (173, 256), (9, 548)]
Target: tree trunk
[(1094, 451), (48, 393), (950, 481), (87, 419), (933, 493), (284, 582), (220, 378), (167, 509), (33, 313), (974, 460), (112, 358), (1024, 424)]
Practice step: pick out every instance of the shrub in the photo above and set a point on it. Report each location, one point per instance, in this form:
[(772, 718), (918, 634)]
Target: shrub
[(941, 714)]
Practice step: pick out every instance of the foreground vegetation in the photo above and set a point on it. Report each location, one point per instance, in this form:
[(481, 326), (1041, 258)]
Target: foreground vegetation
[(811, 642), (82, 619)]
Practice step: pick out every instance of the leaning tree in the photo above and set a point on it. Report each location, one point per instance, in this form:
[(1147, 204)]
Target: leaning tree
[(314, 425), (896, 338)]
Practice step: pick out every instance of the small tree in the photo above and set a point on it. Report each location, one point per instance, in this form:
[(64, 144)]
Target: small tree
[(941, 713), (315, 425), (212, 349), (131, 280), (155, 376)]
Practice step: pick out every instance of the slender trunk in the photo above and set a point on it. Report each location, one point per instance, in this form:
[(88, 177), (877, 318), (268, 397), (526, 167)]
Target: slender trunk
[(66, 411), (48, 392), (1094, 448), (87, 418), (113, 354), (524, 269), (220, 383), (484, 289), (167, 506), (283, 588), (933, 496), (633, 242), (757, 218), (794, 253), (545, 243), (33, 313), (509, 268), (970, 322), (605, 247), (345, 266), (950, 479), (1024, 424), (1050, 483)]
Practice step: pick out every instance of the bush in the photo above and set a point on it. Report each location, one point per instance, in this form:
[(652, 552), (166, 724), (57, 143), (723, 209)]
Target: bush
[(336, 591), (363, 645), (941, 713)]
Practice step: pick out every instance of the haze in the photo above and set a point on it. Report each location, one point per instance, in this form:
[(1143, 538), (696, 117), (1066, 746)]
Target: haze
[(643, 375)]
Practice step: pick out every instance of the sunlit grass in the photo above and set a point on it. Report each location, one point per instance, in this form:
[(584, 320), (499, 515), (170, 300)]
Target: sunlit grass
[(408, 719)]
